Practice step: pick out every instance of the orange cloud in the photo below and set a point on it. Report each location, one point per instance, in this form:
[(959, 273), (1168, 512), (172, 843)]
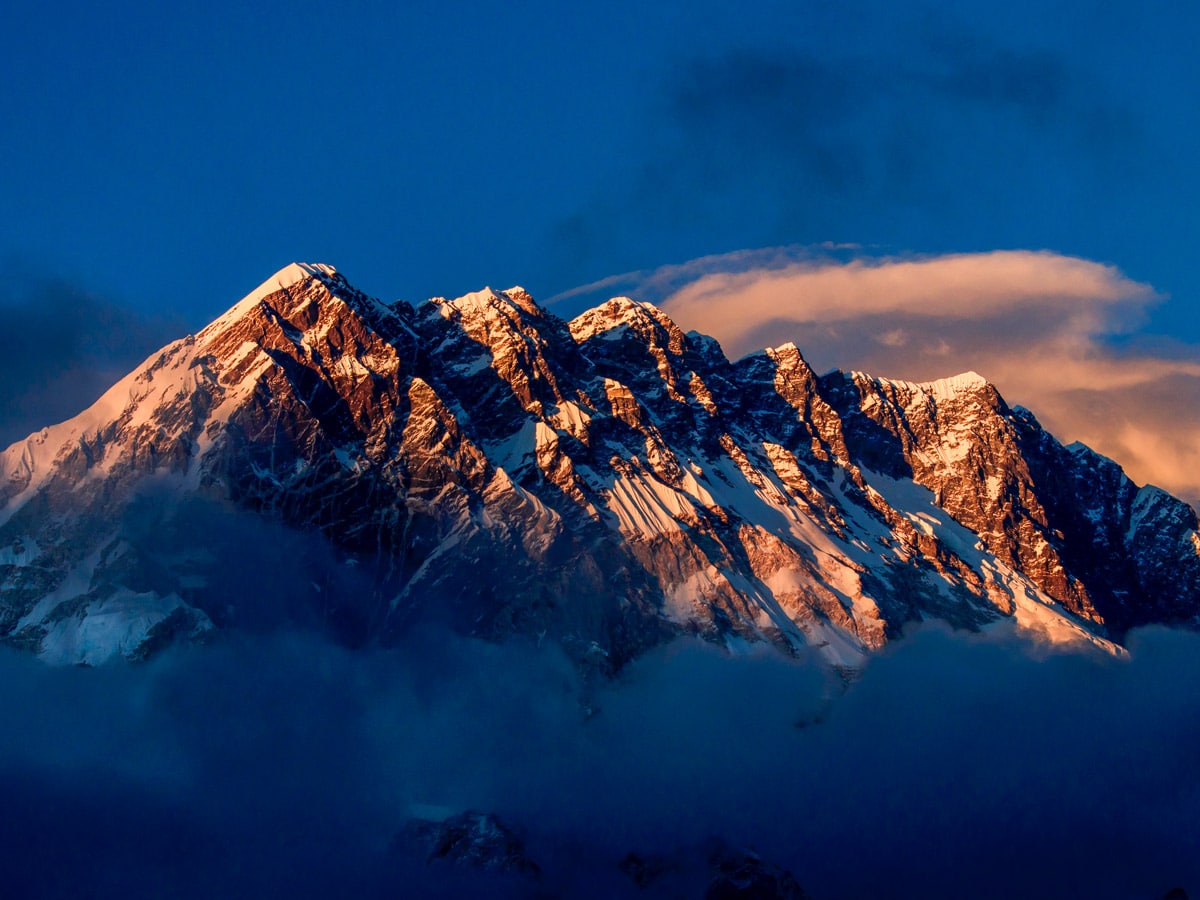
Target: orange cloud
[(1039, 325)]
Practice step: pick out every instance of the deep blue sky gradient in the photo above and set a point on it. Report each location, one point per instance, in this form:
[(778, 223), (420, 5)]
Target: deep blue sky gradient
[(171, 158)]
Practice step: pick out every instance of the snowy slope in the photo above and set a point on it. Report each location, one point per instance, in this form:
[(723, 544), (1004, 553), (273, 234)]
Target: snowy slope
[(606, 482)]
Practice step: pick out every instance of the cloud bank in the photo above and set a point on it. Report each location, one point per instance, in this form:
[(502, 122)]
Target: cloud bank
[(283, 765), (1055, 333), (61, 347)]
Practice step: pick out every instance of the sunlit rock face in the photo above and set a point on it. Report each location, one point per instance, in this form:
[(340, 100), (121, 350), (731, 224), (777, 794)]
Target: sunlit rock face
[(316, 457)]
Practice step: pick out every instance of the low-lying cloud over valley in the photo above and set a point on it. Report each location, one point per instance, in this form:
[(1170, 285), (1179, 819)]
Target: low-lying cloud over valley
[(955, 765)]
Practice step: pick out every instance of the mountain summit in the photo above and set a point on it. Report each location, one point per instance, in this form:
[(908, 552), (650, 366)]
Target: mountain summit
[(317, 456)]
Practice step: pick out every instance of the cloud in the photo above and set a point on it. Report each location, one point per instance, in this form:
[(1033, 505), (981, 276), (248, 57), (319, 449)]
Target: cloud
[(62, 346), (1002, 283), (664, 280), (955, 765), (1055, 333)]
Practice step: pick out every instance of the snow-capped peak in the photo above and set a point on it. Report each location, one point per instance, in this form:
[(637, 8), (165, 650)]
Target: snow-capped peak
[(484, 297), (287, 277), (488, 302), (476, 455), (954, 385), (613, 314), (938, 389), (290, 275)]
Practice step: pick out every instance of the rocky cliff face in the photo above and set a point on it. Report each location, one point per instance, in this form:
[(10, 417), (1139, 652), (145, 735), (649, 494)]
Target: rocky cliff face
[(318, 456)]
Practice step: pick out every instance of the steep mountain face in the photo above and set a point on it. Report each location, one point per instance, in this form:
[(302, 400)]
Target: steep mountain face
[(315, 455), (1105, 549)]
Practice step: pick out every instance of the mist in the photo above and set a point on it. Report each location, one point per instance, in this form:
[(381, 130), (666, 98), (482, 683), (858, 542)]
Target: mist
[(282, 763), (62, 346)]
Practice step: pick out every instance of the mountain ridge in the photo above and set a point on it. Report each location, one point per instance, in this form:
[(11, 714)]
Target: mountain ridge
[(610, 481)]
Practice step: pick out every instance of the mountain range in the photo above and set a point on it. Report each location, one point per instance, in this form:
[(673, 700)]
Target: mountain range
[(317, 457)]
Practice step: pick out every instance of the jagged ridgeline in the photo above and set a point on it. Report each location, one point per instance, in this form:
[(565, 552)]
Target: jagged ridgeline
[(317, 457)]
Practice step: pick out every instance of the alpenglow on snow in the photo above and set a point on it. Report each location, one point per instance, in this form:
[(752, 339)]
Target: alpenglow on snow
[(317, 457)]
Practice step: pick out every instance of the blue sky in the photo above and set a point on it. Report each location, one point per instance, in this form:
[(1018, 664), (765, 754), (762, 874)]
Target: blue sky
[(159, 162), (175, 159)]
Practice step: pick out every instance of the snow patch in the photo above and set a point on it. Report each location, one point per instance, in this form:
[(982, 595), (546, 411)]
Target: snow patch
[(20, 553), (940, 389), (571, 418), (1146, 502), (1035, 613), (114, 627), (473, 366), (646, 507)]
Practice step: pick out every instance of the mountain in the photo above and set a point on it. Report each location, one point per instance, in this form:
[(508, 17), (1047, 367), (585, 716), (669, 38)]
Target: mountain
[(316, 456)]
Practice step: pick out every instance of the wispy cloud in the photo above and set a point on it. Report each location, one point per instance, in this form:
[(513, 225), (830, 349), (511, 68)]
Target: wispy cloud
[(960, 285), (661, 282), (1055, 333)]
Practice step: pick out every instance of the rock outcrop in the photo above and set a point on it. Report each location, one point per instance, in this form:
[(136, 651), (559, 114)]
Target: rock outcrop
[(320, 457)]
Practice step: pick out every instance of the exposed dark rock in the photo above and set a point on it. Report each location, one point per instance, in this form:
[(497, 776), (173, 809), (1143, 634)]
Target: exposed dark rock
[(744, 875), (603, 483), (714, 870), (470, 840)]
